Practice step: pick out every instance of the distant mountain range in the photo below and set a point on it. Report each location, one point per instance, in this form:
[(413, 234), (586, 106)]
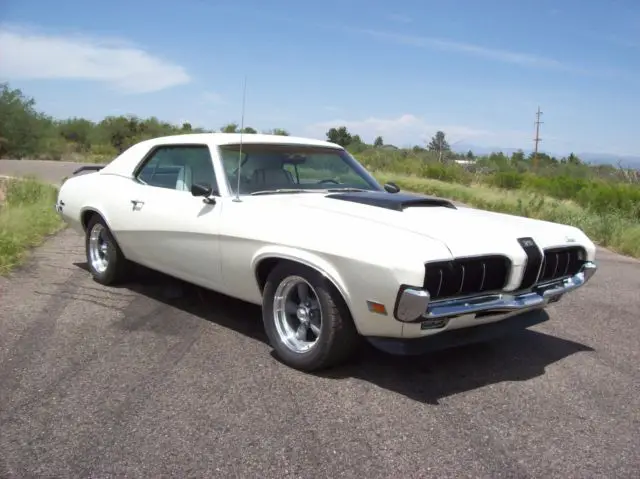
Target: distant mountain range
[(629, 161)]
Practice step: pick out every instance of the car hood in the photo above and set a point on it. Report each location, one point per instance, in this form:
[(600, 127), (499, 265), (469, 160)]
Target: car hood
[(464, 231)]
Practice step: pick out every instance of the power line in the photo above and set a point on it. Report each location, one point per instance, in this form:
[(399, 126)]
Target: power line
[(537, 139)]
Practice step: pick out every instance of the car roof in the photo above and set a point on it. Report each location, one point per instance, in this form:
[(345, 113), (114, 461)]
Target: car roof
[(218, 139)]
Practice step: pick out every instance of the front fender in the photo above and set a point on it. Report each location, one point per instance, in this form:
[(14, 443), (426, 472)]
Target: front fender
[(307, 258), (357, 281)]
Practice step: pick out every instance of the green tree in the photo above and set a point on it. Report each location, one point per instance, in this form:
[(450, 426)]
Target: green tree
[(340, 136), (230, 128), (278, 131), (22, 128), (439, 144), (378, 142), (518, 157), (573, 159), (77, 131)]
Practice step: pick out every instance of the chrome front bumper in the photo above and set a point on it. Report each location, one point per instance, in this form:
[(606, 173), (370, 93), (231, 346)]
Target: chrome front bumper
[(413, 304)]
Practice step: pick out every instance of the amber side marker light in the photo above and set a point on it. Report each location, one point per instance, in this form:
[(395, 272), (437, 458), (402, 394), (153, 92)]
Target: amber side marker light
[(377, 307)]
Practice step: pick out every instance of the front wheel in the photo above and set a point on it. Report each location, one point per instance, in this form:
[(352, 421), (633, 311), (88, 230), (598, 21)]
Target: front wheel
[(306, 320)]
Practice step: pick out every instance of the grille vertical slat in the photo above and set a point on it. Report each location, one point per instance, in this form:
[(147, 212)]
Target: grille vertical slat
[(561, 262), (461, 279), (466, 276)]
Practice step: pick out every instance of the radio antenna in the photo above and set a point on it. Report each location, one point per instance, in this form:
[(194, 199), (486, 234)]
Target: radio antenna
[(244, 92)]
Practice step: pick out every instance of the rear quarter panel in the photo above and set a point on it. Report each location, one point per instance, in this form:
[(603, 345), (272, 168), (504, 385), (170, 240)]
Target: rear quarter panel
[(89, 192)]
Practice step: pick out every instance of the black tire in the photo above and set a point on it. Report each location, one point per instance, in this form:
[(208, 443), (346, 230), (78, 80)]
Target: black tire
[(118, 266), (338, 338)]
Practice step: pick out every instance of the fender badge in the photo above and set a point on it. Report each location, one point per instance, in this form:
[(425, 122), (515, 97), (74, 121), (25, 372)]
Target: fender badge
[(569, 239)]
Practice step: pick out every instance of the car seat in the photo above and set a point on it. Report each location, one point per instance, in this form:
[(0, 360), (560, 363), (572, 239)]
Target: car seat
[(184, 181), (271, 177)]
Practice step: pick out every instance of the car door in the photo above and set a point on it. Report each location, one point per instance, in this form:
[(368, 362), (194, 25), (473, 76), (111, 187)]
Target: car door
[(170, 229)]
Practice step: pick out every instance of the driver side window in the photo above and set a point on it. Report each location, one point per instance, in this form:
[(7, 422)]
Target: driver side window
[(178, 167)]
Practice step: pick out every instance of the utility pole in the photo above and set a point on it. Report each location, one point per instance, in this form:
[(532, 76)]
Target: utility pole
[(537, 139)]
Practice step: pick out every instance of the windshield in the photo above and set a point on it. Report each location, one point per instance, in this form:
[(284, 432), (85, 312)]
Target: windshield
[(270, 167)]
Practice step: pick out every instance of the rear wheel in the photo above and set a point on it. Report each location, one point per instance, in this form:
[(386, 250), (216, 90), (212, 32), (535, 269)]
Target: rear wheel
[(306, 319), (106, 262)]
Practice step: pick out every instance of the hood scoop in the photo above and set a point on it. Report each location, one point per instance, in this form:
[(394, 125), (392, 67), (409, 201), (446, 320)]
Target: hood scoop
[(391, 201)]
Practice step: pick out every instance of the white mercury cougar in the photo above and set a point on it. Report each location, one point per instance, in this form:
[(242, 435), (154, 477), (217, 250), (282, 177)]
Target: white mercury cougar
[(299, 227)]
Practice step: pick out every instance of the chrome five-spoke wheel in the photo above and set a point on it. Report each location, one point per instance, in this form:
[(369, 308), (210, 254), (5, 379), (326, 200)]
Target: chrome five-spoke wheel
[(98, 248), (106, 262), (306, 319), (297, 313)]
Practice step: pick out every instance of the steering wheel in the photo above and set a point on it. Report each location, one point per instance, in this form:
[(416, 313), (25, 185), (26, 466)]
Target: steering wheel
[(328, 180)]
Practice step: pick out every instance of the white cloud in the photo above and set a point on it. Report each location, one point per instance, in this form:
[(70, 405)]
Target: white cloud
[(506, 56), (408, 130), (31, 55), (213, 97)]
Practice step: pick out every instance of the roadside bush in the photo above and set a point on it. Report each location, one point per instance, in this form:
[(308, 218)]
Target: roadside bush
[(27, 217), (608, 227), (509, 180)]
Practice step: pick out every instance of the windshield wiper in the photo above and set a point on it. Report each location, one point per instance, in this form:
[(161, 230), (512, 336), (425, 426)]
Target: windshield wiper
[(282, 190)]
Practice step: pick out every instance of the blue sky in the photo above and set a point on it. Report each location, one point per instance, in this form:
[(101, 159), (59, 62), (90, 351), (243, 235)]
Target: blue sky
[(403, 69)]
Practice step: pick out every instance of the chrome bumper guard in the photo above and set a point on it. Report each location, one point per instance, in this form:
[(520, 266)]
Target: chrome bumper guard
[(413, 305)]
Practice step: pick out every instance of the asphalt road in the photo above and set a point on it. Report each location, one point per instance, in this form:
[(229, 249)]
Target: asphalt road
[(159, 378), (51, 171)]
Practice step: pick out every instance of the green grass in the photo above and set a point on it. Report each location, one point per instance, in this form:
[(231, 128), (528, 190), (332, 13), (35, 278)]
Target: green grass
[(27, 217), (612, 230)]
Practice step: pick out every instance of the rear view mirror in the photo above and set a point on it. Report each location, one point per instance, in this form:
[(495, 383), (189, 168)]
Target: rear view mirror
[(200, 189), (391, 187)]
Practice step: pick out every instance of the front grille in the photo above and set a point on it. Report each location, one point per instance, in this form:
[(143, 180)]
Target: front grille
[(561, 263), (466, 276)]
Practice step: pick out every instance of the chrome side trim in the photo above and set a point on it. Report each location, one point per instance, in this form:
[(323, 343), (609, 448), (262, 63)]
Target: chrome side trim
[(540, 296)]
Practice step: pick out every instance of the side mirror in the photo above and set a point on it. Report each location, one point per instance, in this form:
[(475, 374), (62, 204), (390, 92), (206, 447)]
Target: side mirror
[(199, 189), (391, 187)]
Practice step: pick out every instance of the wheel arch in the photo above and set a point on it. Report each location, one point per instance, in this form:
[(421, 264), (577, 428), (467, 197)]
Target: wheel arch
[(266, 260), (89, 211)]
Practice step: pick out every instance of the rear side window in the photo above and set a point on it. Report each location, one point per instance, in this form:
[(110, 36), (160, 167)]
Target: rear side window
[(178, 167)]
